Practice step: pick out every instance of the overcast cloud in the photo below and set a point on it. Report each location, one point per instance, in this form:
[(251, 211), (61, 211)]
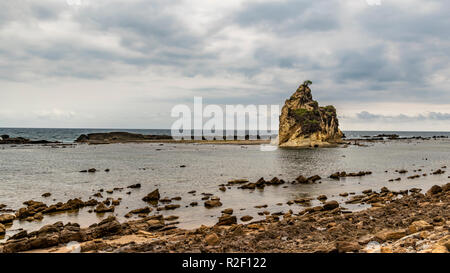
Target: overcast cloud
[(126, 63)]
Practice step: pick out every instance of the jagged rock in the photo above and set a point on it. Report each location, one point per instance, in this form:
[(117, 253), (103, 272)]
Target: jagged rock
[(304, 124)]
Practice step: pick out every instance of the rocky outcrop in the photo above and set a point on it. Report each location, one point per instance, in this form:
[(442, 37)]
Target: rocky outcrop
[(6, 139), (118, 137), (304, 124)]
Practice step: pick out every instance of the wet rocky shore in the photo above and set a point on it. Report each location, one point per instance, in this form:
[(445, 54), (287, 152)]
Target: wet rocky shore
[(396, 221)]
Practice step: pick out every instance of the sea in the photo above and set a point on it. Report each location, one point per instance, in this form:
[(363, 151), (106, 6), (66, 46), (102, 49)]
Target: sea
[(28, 171)]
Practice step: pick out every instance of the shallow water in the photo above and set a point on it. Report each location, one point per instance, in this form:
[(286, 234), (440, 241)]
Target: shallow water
[(29, 171)]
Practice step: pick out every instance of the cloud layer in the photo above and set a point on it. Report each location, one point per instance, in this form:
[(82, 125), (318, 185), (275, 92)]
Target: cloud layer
[(117, 63)]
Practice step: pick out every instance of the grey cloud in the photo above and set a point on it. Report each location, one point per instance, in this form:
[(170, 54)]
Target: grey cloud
[(407, 23), (290, 17), (152, 37)]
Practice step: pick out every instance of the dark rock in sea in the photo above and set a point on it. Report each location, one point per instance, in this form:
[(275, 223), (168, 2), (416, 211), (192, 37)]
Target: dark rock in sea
[(330, 205), (118, 137), (7, 218), (145, 210), (438, 171), (102, 208), (171, 207), (134, 186), (47, 194), (227, 220), (152, 197), (5, 139)]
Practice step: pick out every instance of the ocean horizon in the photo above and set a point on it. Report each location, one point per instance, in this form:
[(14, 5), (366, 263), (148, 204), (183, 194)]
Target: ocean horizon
[(71, 134)]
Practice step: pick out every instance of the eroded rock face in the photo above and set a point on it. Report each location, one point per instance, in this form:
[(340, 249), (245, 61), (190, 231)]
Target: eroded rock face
[(304, 124)]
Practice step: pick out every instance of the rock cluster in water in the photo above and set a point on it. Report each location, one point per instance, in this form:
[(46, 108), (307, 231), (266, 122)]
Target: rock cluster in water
[(303, 123)]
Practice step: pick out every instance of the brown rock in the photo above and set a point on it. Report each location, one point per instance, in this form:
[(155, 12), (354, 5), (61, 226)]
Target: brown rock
[(213, 203), (212, 239), (6, 218), (419, 226), (434, 190), (345, 246), (227, 211), (227, 220), (102, 208), (387, 235), (171, 207), (145, 210), (322, 197), (330, 205), (246, 218)]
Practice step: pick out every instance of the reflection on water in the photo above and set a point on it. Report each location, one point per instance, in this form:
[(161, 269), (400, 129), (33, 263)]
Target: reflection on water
[(29, 171)]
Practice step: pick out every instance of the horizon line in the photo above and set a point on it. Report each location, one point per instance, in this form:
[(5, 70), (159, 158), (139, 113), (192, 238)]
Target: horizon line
[(91, 128)]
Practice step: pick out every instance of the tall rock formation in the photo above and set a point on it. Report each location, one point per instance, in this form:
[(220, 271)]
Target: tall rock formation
[(304, 124)]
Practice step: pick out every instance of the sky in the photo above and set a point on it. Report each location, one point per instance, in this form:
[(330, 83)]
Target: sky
[(126, 64)]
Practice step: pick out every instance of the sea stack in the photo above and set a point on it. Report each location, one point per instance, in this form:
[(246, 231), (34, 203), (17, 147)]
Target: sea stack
[(304, 124)]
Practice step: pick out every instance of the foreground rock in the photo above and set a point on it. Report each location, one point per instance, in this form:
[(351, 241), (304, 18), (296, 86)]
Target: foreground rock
[(304, 124), (412, 223)]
